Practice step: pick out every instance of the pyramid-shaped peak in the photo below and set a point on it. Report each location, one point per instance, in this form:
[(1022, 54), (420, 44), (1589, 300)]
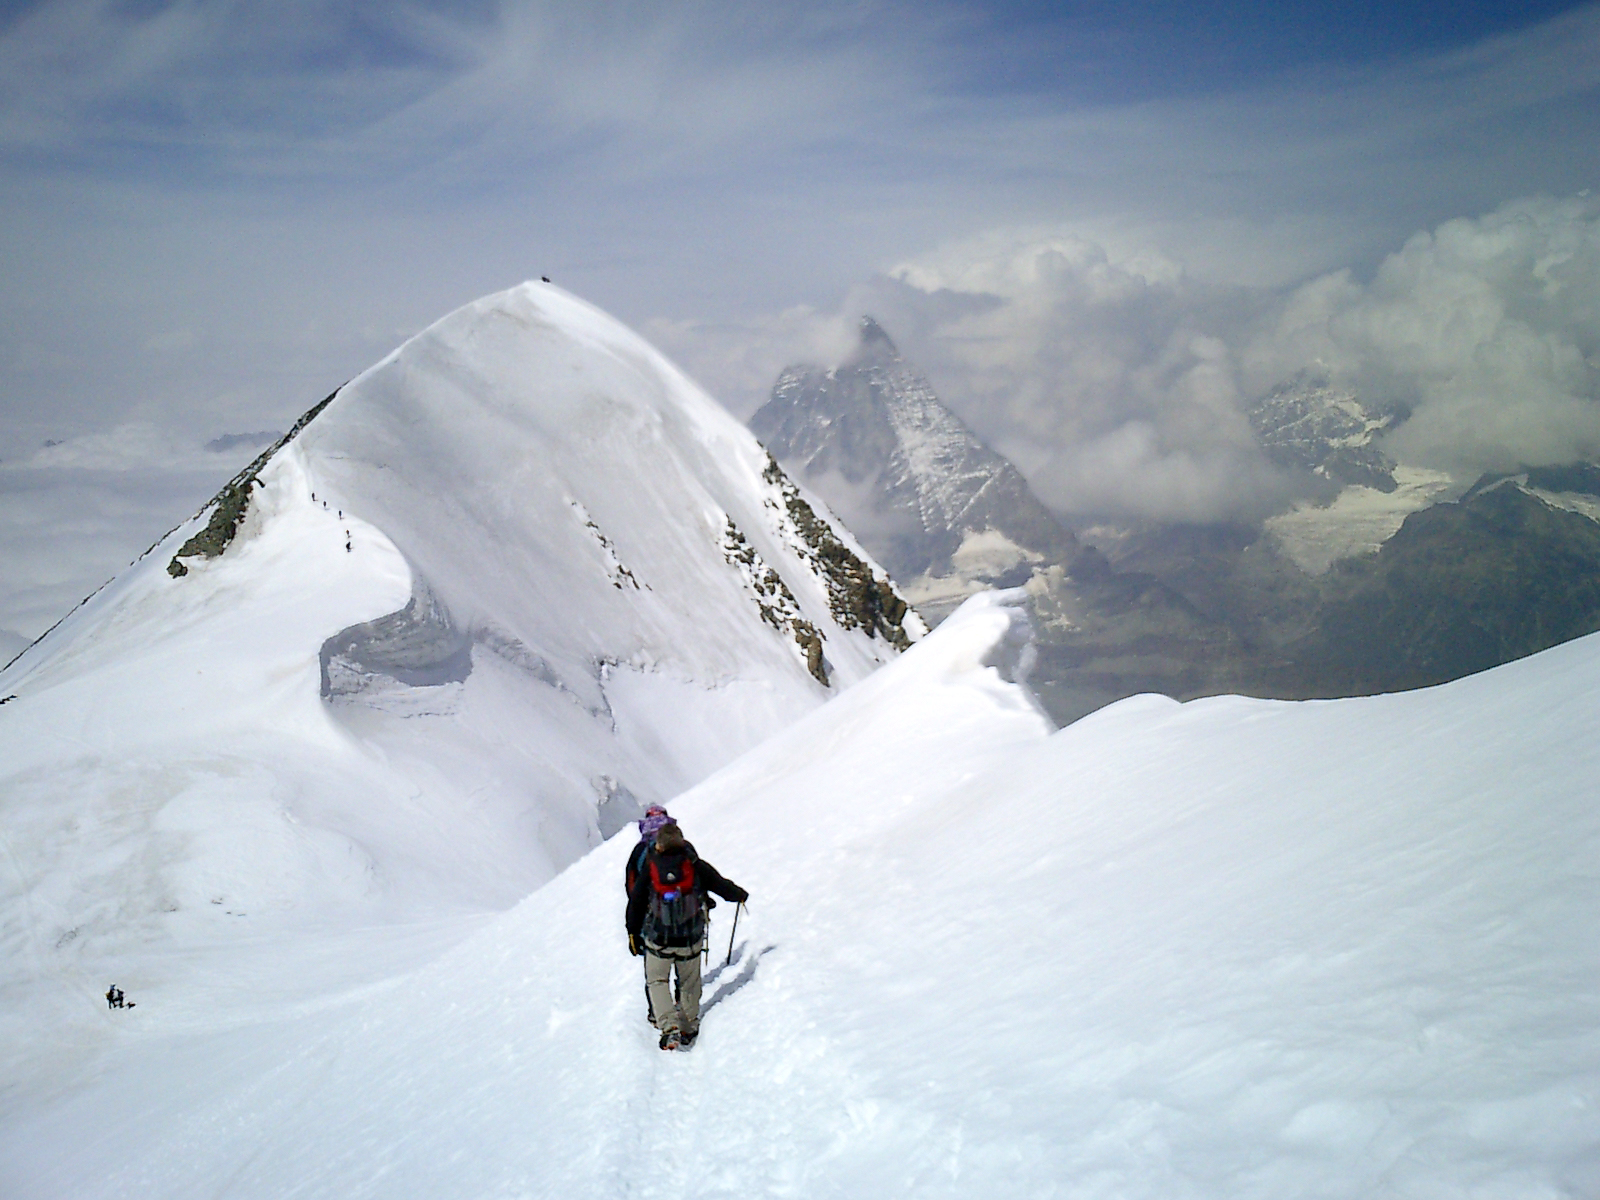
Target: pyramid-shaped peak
[(874, 339)]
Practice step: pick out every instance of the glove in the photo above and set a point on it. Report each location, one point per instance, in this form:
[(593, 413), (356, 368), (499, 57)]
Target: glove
[(635, 946), (743, 896)]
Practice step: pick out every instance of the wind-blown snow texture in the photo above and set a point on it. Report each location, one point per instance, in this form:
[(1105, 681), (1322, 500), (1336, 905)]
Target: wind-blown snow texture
[(474, 614), (1231, 948)]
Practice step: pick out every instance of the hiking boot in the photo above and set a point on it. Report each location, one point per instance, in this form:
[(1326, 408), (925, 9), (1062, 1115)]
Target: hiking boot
[(670, 1040), (687, 1037)]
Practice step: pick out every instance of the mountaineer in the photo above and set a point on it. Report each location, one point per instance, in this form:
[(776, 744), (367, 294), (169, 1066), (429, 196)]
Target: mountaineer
[(667, 925)]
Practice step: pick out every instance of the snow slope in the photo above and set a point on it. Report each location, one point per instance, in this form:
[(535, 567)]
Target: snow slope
[(1231, 948), (508, 585)]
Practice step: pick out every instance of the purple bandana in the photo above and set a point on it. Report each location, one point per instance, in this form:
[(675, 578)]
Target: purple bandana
[(654, 818)]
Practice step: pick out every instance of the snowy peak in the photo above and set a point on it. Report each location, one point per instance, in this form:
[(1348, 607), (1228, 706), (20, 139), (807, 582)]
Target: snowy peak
[(498, 592), (379, 445), (900, 467), (1573, 487), (1310, 424), (874, 341)]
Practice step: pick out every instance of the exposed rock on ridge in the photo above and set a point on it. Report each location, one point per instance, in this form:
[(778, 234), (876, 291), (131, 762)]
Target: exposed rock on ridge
[(857, 598), (228, 507)]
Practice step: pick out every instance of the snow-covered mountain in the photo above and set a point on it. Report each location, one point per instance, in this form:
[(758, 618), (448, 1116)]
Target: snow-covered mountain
[(946, 514), (951, 517), (477, 607), (1309, 423), (1390, 576), (1228, 950)]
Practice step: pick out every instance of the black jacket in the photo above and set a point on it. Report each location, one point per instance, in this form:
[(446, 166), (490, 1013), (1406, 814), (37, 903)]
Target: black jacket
[(706, 879), (635, 861)]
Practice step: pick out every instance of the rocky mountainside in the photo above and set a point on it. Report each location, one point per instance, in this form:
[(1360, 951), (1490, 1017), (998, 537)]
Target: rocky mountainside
[(1421, 589), (948, 516), (871, 436), (1310, 424), (1508, 570)]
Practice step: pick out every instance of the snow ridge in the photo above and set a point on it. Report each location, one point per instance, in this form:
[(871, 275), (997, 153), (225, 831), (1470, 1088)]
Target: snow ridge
[(472, 614), (1207, 953), (229, 506)]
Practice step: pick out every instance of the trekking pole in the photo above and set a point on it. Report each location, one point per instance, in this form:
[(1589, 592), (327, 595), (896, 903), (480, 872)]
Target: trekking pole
[(732, 932)]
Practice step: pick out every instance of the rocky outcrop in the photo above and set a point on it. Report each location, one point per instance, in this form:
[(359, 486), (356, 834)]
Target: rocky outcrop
[(1460, 588), (774, 600), (228, 507), (857, 598)]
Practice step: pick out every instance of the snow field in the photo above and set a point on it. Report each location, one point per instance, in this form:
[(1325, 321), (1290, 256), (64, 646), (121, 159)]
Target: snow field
[(182, 812), (1231, 948)]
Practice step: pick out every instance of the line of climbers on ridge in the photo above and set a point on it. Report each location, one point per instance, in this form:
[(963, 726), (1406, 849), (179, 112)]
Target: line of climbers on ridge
[(667, 886)]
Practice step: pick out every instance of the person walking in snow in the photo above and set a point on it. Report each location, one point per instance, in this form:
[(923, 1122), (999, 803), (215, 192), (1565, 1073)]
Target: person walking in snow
[(649, 825), (667, 925)]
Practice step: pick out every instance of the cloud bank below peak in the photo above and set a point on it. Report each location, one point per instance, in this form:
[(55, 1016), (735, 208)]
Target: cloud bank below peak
[(1119, 381)]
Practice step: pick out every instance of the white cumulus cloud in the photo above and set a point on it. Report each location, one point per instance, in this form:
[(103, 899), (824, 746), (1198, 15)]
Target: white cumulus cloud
[(1119, 382)]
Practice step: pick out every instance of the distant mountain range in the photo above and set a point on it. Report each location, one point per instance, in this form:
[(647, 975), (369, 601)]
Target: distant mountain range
[(1380, 584)]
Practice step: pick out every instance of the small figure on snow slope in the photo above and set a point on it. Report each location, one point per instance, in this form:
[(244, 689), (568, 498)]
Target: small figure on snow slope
[(667, 906)]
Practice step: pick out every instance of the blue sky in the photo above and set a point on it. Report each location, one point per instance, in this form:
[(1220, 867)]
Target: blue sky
[(217, 211)]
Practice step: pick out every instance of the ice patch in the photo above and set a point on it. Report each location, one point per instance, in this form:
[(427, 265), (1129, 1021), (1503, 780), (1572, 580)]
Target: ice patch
[(1359, 521)]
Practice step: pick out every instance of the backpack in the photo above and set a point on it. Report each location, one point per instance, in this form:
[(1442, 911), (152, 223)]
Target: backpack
[(635, 864), (677, 915)]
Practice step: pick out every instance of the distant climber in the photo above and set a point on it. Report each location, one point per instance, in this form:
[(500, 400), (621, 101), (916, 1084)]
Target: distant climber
[(666, 923), (115, 997), (544, 279)]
